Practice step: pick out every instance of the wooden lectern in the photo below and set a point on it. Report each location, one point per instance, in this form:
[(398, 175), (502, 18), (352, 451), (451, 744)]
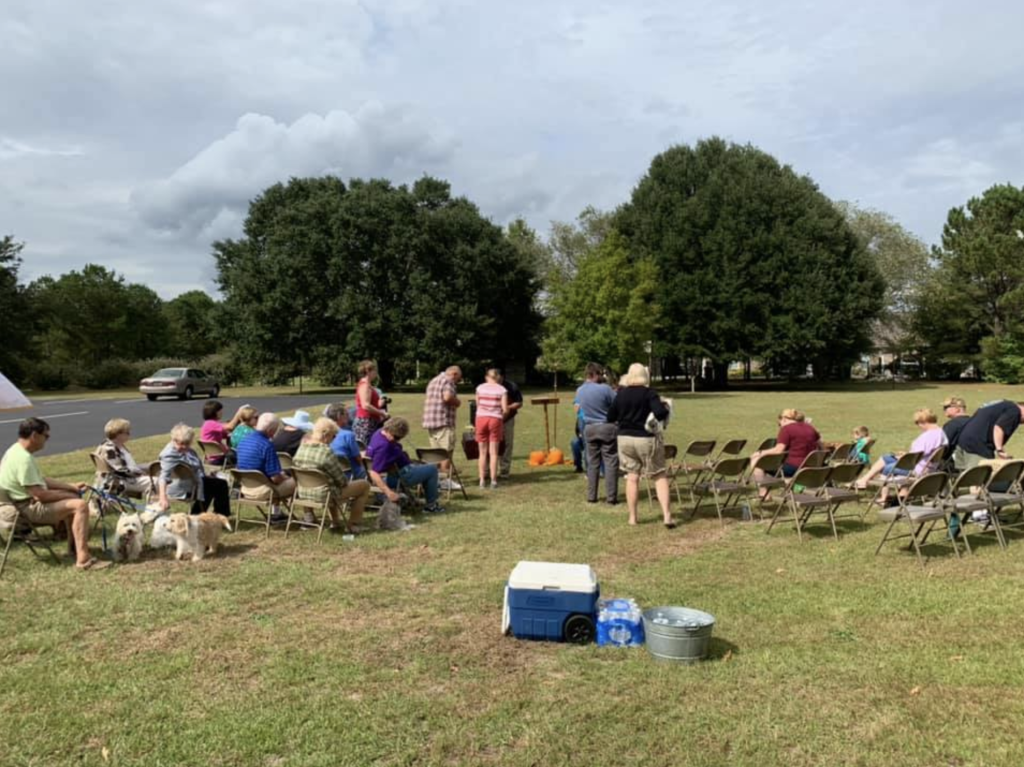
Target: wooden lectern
[(545, 401)]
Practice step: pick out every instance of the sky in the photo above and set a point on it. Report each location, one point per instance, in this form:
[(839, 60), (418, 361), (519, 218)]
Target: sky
[(133, 134)]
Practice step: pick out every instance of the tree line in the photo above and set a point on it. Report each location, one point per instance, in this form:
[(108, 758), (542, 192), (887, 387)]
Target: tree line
[(721, 254)]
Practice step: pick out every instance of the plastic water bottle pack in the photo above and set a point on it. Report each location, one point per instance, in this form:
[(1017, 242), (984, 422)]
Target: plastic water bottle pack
[(619, 623)]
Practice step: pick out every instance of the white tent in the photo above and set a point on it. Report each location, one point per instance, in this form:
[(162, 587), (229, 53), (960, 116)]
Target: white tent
[(11, 397)]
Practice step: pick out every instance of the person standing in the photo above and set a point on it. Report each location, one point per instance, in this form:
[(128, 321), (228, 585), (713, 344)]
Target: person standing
[(439, 409), (370, 413), (640, 451), (515, 402), (984, 437), (491, 405), (594, 398)]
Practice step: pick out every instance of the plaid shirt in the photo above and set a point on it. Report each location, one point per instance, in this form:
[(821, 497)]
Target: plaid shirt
[(437, 414), (316, 455)]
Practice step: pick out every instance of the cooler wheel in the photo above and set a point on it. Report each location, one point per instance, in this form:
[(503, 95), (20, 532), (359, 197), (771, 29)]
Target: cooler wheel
[(579, 629)]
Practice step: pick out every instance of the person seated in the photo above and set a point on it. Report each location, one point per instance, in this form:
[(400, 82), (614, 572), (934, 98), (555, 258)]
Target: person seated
[(797, 438), (247, 416), (26, 493), (220, 433), (208, 490), (386, 455), (861, 438), (257, 453), (292, 432), (344, 444), (928, 443), (315, 453), (128, 476)]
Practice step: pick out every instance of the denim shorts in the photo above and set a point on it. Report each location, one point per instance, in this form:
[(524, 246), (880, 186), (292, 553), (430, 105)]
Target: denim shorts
[(890, 469)]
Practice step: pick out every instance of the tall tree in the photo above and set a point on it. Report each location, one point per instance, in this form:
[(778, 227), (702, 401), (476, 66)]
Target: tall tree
[(974, 306), (753, 260), (191, 325), (329, 273), (15, 310)]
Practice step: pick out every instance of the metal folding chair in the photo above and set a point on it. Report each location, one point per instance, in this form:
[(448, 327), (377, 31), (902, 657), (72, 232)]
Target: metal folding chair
[(436, 456), (906, 462), (313, 481), (24, 532), (802, 504), (252, 480), (922, 508), (726, 484), (965, 496)]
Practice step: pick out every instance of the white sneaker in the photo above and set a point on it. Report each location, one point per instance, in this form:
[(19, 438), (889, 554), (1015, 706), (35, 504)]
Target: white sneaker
[(980, 517), (449, 484)]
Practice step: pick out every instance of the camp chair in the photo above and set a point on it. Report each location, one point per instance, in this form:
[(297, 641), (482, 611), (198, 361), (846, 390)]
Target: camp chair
[(690, 470), (212, 450), (840, 488), (725, 484), (922, 508), (252, 480), (436, 456), (962, 501), (287, 462), (21, 529), (841, 453), (771, 465), (1002, 491), (766, 444), (906, 462), (803, 503), (312, 479)]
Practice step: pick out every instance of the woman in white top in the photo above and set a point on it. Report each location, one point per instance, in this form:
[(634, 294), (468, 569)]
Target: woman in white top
[(491, 406)]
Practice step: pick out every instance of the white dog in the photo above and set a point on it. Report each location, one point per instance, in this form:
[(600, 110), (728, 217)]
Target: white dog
[(161, 537), (198, 533), (128, 538)]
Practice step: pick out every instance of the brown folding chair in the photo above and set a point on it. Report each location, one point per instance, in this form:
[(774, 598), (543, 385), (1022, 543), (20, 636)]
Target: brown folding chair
[(725, 484), (23, 531), (922, 508), (840, 487), (802, 504), (731, 449), (771, 465), (766, 444), (815, 459), (312, 481), (287, 462), (906, 462), (840, 453), (253, 480), (435, 456), (691, 470), (1002, 491), (963, 501), (212, 450)]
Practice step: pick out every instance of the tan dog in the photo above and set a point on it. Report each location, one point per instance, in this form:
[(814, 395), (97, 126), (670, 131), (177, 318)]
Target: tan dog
[(199, 534)]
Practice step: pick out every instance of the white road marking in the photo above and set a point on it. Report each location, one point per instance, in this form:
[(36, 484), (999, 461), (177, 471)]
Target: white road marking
[(48, 416), (135, 401), (47, 403)]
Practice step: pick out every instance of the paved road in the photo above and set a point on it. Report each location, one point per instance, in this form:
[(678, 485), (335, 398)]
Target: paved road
[(78, 423)]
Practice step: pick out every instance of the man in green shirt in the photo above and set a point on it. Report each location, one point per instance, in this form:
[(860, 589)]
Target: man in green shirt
[(40, 500)]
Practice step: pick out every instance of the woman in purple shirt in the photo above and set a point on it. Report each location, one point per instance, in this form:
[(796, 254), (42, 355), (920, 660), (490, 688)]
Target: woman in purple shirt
[(929, 443), (385, 453)]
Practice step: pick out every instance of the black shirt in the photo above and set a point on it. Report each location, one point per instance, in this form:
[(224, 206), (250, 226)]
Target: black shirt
[(976, 435), (288, 441), (953, 427), (514, 396), (630, 408)]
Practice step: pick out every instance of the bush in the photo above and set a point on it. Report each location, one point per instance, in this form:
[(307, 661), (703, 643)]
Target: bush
[(51, 376), (109, 374), (1002, 360)]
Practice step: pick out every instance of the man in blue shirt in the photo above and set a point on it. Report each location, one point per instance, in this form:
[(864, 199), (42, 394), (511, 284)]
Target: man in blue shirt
[(593, 399), (345, 445), (256, 453)]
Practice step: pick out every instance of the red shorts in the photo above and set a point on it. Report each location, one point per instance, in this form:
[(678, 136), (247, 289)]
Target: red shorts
[(489, 429)]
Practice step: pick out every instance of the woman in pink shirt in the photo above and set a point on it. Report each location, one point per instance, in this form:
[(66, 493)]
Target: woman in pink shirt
[(491, 406)]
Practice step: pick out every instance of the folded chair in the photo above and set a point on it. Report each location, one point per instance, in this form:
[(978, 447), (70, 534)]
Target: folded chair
[(312, 480), (962, 500), (252, 480), (436, 456), (811, 498), (726, 483), (23, 531), (921, 508), (906, 462)]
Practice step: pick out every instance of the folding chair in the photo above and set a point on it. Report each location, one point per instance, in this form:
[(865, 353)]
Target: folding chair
[(803, 504), (1002, 491), (840, 488), (184, 473), (436, 456), (692, 470), (766, 444), (770, 464), (962, 500), (841, 453), (726, 483), (23, 530), (815, 459), (287, 462), (252, 480), (312, 480), (731, 449), (212, 450), (922, 508), (906, 462)]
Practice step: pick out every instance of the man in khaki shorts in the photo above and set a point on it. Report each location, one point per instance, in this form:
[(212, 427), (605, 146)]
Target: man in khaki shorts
[(439, 416), (25, 492)]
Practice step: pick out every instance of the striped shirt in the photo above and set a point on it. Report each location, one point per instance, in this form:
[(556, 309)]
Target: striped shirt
[(257, 453), (488, 400)]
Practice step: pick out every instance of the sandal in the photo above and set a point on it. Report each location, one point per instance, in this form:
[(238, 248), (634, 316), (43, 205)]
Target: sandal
[(670, 525), (93, 564)]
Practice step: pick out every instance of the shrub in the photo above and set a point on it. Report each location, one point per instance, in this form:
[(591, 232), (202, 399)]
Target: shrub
[(51, 376), (108, 374), (1003, 359)]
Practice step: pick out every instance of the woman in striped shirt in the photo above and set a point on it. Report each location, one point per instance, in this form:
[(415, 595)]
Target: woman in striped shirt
[(491, 406)]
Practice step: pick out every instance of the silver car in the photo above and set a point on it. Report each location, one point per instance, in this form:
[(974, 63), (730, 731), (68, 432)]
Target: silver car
[(182, 383)]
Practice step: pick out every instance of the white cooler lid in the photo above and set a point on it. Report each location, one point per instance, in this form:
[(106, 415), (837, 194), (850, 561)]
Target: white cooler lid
[(554, 575)]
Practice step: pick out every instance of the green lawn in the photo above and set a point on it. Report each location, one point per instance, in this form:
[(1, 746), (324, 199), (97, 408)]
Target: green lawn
[(387, 650)]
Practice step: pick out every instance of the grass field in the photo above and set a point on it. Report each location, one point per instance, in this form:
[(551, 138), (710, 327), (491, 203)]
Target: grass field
[(387, 650)]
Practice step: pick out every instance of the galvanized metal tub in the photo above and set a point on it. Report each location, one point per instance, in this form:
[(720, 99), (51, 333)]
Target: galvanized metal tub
[(678, 634)]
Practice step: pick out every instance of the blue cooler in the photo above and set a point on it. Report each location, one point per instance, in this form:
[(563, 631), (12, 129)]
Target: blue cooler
[(553, 601)]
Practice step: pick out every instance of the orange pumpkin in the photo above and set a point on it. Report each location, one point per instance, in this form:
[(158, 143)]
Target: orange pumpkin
[(537, 458)]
